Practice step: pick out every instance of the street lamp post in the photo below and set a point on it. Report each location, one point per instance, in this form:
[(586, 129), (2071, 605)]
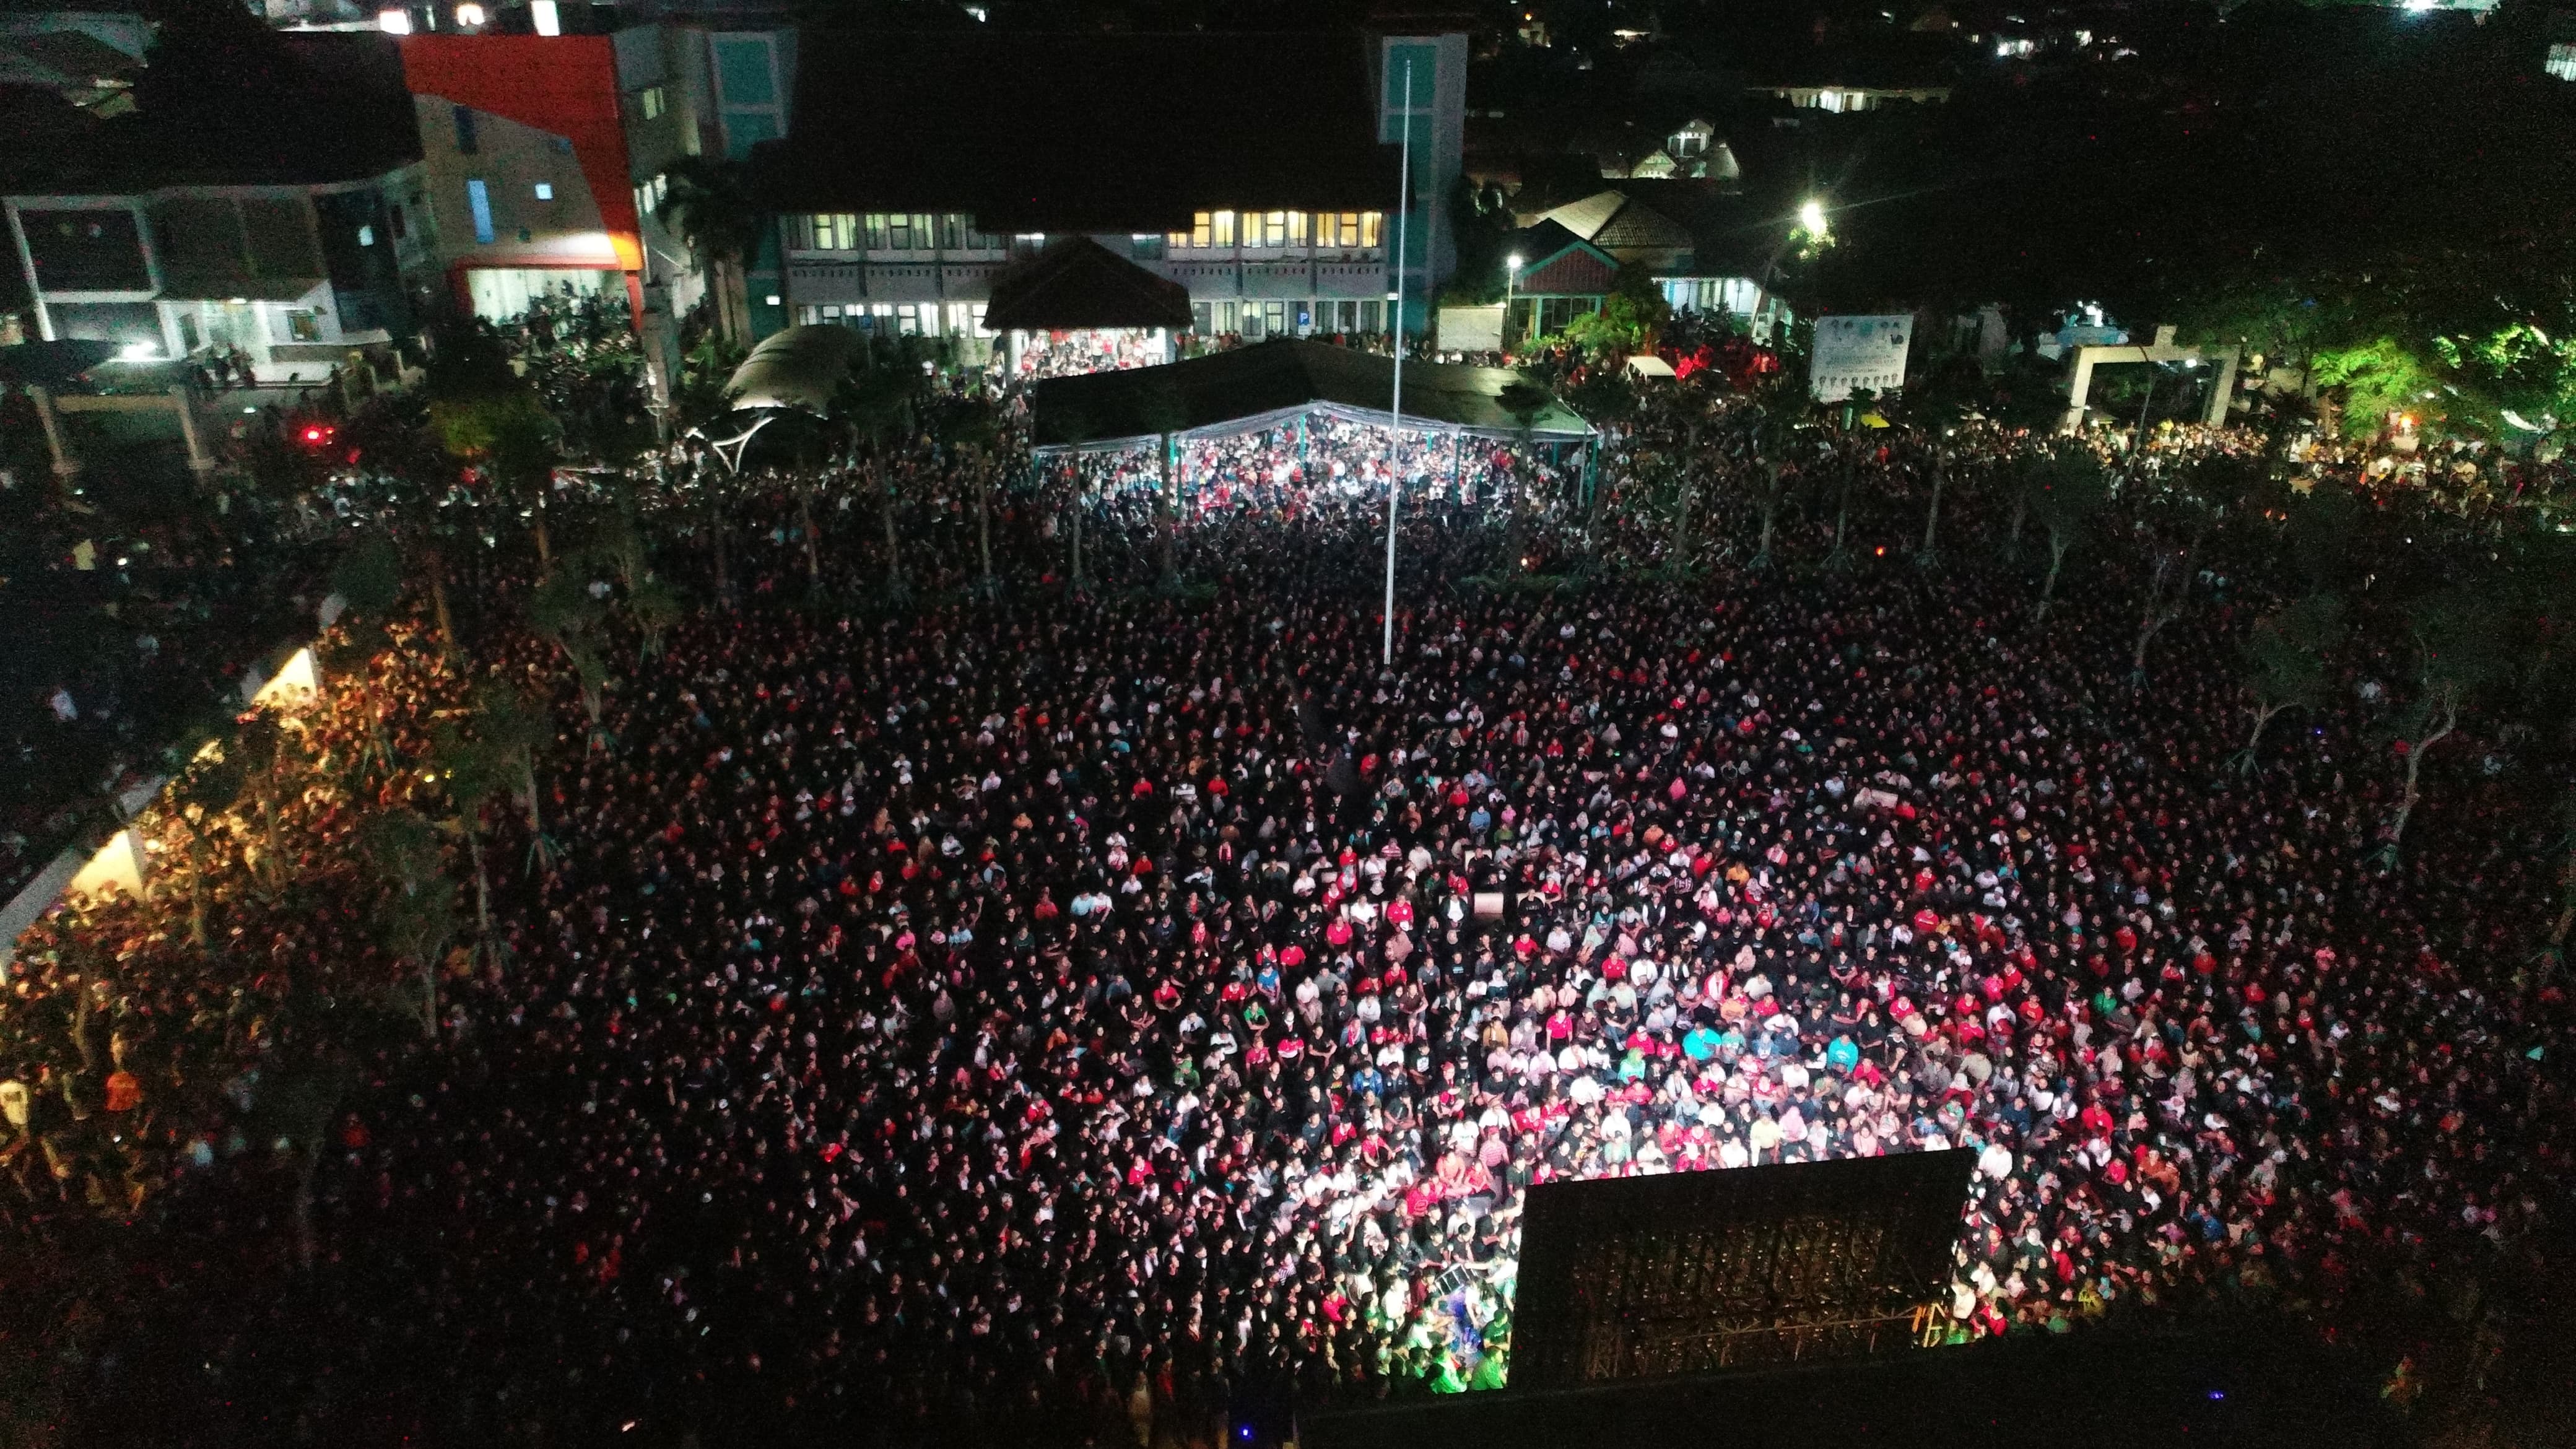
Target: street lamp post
[(1395, 408), (1511, 273)]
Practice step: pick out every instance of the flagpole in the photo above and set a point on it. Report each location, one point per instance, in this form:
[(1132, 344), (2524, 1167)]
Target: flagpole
[(1395, 410)]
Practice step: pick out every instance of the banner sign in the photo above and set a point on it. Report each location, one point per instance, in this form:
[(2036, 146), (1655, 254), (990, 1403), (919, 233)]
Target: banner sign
[(1859, 352)]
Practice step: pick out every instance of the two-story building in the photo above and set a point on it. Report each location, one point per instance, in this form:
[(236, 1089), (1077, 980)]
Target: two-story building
[(549, 151), (1260, 172), (291, 229)]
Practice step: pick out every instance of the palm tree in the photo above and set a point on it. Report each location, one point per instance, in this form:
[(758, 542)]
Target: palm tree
[(1840, 556), (488, 415), (394, 438), (1688, 489), (1078, 430), (876, 399), (2203, 492), (474, 773), (1937, 405), (209, 788), (417, 915), (2067, 488), (566, 612), (260, 744), (368, 579), (1525, 400), (714, 212), (515, 728), (2457, 640), (2285, 661), (1164, 414), (1772, 431), (656, 607), (973, 433)]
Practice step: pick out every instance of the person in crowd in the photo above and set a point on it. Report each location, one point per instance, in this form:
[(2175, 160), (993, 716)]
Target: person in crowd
[(1141, 1012)]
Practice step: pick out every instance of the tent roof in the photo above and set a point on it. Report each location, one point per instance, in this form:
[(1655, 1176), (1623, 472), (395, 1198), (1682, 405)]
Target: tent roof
[(1255, 386), (1076, 283), (799, 368)]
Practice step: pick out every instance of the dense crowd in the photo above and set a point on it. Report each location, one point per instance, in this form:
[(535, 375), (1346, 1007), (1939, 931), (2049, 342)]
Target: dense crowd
[(1070, 354), (134, 603), (1123, 1019)]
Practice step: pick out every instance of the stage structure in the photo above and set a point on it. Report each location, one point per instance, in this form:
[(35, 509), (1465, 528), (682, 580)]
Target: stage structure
[(1271, 384), (1077, 286), (1274, 385), (794, 373), (1684, 1273)]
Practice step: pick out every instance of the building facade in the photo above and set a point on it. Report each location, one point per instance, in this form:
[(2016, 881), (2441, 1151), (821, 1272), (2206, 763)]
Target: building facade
[(1274, 202), (1249, 274), (292, 276)]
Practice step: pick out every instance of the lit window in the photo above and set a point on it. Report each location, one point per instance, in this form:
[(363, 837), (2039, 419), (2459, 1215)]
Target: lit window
[(547, 16), (366, 236), (652, 101), (545, 191), (304, 326), (1223, 228), (469, 15), (899, 231), (1296, 228), (394, 22), (877, 232), (2562, 61), (1370, 222), (478, 199), (1200, 233)]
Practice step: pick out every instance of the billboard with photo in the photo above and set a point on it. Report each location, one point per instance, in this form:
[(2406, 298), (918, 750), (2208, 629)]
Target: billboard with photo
[(1853, 353)]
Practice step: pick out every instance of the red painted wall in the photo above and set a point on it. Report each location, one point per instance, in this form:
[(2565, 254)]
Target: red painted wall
[(562, 84)]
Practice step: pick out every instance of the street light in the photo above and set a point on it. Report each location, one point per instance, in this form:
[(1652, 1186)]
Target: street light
[(1511, 271), (1811, 217)]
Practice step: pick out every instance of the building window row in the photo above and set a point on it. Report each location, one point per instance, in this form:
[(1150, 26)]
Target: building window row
[(897, 231), (892, 231), (1291, 317), (1214, 230), (900, 319)]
